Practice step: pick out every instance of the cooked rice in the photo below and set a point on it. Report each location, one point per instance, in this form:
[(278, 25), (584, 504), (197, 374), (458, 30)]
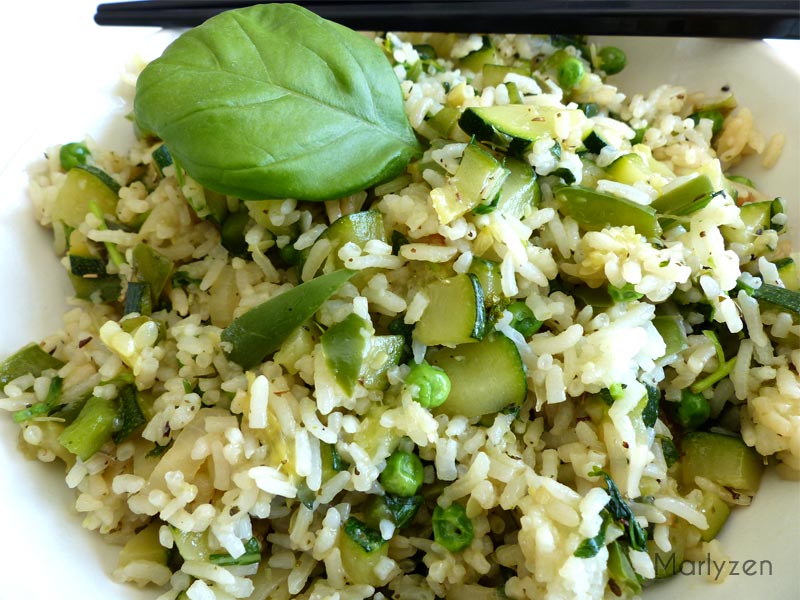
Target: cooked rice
[(229, 455)]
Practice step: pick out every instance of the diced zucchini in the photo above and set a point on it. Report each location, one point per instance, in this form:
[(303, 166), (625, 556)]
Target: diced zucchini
[(683, 195), (475, 60), (162, 158), (621, 570), (486, 377), (488, 274), (520, 194), (629, 169), (298, 344), (97, 289), (261, 210), (81, 187), (28, 359), (595, 210), (152, 267), (383, 353), (358, 228), (345, 346), (789, 273), (781, 297), (455, 312), (518, 121), (723, 459), (494, 75), (443, 122), (144, 546), (86, 266), (669, 563), (756, 219), (478, 179), (670, 328), (594, 142), (361, 549), (192, 545), (716, 511), (138, 298)]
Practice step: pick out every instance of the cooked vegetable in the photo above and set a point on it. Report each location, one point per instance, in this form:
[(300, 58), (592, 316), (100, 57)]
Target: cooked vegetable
[(611, 59), (455, 313), (262, 72), (362, 548), (345, 345), (83, 187), (261, 330), (595, 210), (29, 359), (486, 376), (452, 528), (41, 409), (725, 460), (570, 72), (73, 154), (429, 385), (523, 319), (399, 510), (92, 429), (402, 475), (693, 410), (252, 555)]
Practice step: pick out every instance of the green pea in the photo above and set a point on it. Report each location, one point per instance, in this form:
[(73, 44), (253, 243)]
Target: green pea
[(523, 319), (611, 59), (402, 475), (693, 410), (570, 72), (452, 528), (432, 384), (73, 154), (714, 115)]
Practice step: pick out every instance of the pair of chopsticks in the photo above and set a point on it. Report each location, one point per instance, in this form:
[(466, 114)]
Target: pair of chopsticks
[(753, 19)]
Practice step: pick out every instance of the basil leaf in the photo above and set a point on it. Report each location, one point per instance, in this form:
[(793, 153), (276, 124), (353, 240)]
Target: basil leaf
[(272, 101)]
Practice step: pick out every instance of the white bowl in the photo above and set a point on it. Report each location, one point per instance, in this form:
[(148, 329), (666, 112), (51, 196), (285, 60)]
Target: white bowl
[(64, 72)]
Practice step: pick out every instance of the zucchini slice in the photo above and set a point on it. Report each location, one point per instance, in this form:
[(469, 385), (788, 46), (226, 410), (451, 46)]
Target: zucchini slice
[(486, 377), (517, 121), (455, 313)]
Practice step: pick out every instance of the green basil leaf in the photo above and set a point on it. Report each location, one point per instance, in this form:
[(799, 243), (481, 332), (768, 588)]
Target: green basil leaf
[(272, 101)]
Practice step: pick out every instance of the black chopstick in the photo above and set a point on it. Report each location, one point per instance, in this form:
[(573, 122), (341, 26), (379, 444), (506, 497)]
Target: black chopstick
[(752, 19)]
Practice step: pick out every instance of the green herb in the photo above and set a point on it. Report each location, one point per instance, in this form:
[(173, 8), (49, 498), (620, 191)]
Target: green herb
[(626, 293), (363, 535), (272, 101), (671, 454), (621, 512), (650, 411), (591, 546)]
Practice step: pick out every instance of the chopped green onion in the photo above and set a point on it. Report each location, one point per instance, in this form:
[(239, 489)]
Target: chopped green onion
[(92, 428)]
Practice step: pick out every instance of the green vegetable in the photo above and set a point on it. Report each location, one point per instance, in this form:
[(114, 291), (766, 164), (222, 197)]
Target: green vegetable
[(650, 409), (489, 278), (784, 298), (591, 546), (570, 72), (715, 116), (344, 345), (272, 101), (28, 359), (399, 510), (361, 547), (93, 427), (670, 328), (232, 232), (611, 59), (455, 312), (621, 512), (523, 319), (252, 555), (113, 252), (595, 210), (452, 528), (73, 154), (431, 385), (621, 570), (402, 475), (624, 294), (363, 535), (152, 267), (137, 299), (130, 416), (41, 409), (716, 511), (724, 459), (671, 454), (486, 377), (683, 195), (81, 187), (144, 546), (261, 330), (693, 410)]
